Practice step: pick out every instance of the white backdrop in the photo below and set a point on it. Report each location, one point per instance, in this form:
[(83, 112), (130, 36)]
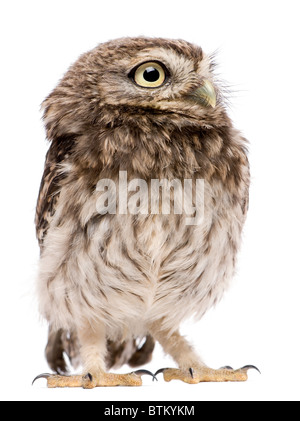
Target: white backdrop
[(257, 322)]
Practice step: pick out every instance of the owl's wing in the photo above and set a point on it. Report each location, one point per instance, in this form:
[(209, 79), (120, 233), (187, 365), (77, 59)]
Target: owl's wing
[(59, 341), (58, 153)]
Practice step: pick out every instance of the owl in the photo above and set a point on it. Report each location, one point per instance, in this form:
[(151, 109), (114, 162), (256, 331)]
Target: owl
[(136, 123)]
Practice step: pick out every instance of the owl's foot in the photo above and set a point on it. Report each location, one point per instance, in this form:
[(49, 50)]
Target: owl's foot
[(206, 374), (89, 381)]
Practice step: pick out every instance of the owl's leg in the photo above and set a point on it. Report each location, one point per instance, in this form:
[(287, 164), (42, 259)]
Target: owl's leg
[(191, 368), (92, 352)]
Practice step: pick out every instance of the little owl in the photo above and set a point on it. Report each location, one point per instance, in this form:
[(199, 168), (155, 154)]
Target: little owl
[(111, 284)]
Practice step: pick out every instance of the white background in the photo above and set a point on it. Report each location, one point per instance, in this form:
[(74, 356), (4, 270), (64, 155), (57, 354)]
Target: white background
[(257, 322)]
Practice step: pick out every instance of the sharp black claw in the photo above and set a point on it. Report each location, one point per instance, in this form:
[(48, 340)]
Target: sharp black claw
[(191, 372), (89, 376), (226, 367), (42, 376), (161, 370), (248, 367), (141, 372)]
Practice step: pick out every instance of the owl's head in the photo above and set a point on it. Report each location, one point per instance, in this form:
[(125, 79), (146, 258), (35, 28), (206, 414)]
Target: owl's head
[(119, 81)]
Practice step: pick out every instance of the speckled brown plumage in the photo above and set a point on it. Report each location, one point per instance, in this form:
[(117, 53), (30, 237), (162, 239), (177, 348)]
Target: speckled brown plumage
[(124, 277)]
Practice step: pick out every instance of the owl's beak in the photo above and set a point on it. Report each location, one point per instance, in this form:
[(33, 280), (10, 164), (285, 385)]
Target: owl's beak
[(205, 94)]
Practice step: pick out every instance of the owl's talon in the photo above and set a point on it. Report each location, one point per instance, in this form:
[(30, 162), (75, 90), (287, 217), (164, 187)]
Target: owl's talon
[(146, 372), (249, 367), (191, 372), (41, 376), (161, 370), (88, 376), (88, 381)]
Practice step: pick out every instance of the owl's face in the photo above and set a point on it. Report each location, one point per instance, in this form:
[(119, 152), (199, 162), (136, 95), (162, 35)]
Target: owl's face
[(139, 76)]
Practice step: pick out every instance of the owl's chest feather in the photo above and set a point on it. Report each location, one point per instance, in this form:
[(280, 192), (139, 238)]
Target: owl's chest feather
[(123, 259), (149, 262)]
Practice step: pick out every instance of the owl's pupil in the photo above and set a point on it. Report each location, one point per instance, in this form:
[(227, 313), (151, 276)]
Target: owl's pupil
[(151, 74)]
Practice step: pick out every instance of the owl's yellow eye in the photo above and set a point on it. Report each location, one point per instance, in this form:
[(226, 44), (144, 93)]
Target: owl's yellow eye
[(149, 75)]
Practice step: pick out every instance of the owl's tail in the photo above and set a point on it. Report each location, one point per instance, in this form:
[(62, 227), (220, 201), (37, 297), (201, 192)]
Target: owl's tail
[(62, 344)]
